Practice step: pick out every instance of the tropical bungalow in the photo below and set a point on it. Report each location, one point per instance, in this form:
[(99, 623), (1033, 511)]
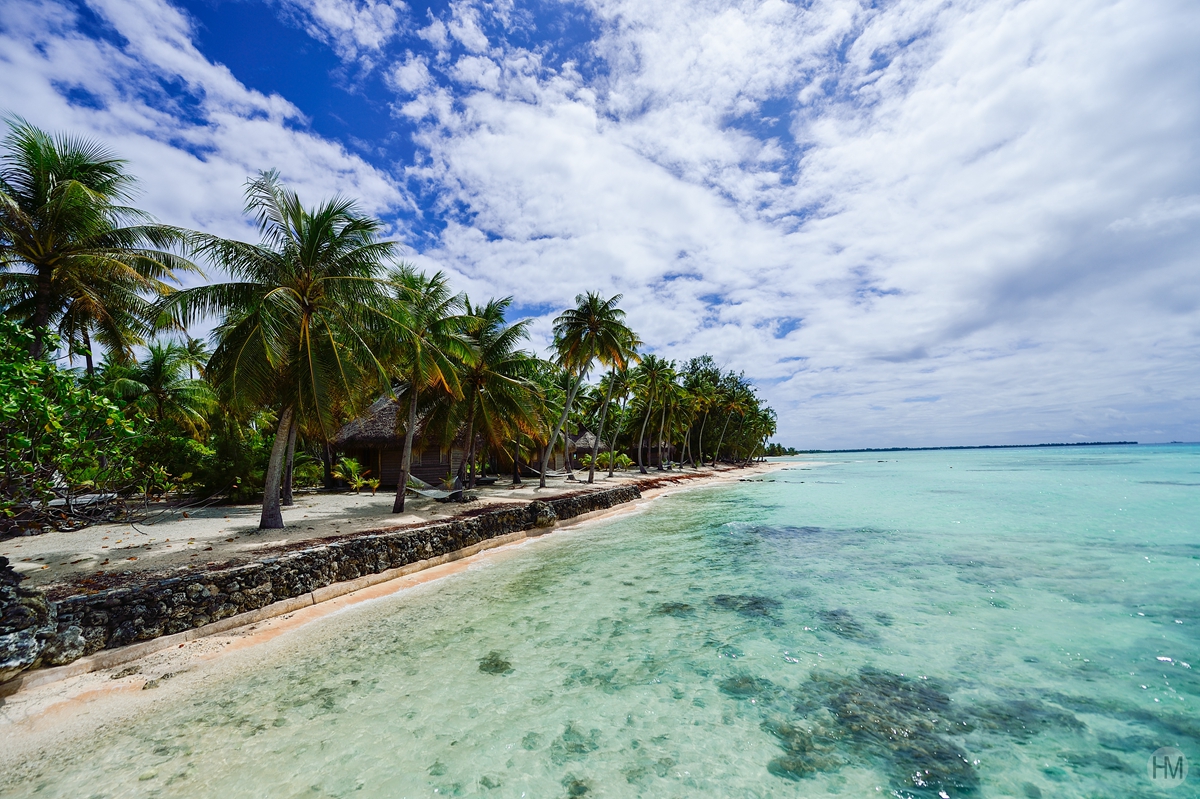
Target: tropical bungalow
[(377, 442)]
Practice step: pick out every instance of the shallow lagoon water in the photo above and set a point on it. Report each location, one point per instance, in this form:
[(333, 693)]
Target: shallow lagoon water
[(992, 623)]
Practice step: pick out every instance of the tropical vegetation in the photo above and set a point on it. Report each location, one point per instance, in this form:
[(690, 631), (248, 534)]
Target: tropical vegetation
[(317, 320)]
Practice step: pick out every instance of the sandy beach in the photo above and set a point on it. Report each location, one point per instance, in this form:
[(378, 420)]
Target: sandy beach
[(46, 715), (168, 541)]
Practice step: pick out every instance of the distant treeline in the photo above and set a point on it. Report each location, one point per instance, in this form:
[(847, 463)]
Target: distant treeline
[(977, 446)]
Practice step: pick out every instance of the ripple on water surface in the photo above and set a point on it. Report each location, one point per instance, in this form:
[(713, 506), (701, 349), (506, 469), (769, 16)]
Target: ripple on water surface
[(848, 637)]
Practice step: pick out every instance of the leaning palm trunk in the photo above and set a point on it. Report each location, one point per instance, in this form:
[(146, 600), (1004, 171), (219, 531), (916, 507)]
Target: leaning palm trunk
[(662, 430), (737, 436), (406, 460), (700, 440), (686, 455), (272, 515), (517, 461), (289, 471), (562, 421), (471, 446), (642, 439), (753, 452), (600, 432), (612, 451), (721, 440)]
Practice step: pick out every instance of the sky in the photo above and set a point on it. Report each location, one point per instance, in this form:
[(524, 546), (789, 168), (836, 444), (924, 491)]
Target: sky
[(909, 222)]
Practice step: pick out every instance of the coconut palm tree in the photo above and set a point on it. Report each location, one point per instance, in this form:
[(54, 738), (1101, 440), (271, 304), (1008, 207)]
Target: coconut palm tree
[(159, 386), (594, 329), (618, 361), (72, 253), (735, 398), (649, 381), (428, 346), (293, 330), (196, 354), (500, 398), (617, 388)]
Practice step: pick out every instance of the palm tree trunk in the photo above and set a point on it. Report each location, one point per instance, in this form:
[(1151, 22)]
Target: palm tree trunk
[(686, 455), (327, 464), (471, 444), (700, 440), (272, 515), (285, 494), (642, 438), (406, 460), (662, 428), (721, 440), (558, 429), (600, 430), (517, 460), (738, 434), (612, 450), (41, 311), (87, 353)]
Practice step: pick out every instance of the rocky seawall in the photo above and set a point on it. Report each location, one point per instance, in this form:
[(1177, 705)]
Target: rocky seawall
[(36, 632)]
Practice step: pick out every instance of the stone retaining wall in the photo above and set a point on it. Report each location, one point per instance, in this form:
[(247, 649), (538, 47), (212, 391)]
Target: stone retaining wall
[(83, 624)]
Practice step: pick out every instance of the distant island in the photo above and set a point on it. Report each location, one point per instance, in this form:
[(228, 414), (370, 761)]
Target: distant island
[(977, 446)]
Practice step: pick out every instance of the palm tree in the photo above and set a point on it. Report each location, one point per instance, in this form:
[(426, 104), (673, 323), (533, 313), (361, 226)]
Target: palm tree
[(649, 379), (594, 329), (292, 332), (429, 344), (618, 361), (196, 354), (71, 252), (618, 380), (735, 397), (500, 397), (157, 385)]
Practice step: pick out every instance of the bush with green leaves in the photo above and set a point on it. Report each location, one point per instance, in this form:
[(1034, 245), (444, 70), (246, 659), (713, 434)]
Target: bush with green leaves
[(58, 440)]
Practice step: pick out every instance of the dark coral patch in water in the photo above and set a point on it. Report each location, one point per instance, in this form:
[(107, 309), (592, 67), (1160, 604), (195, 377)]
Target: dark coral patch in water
[(574, 744), (1021, 719), (675, 609), (576, 786), (804, 753), (495, 664), (747, 605), (745, 686), (841, 622)]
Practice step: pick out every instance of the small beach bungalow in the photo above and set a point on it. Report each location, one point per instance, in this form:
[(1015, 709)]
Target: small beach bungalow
[(377, 442)]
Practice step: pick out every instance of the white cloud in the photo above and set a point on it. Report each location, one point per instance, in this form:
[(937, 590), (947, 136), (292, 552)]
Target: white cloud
[(410, 75), (946, 231), (192, 152), (917, 222), (464, 26), (356, 29)]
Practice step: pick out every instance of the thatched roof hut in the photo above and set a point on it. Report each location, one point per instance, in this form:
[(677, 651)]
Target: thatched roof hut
[(375, 428), (584, 442)]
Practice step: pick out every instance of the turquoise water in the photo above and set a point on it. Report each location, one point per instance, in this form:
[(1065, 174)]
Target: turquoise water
[(1001, 623)]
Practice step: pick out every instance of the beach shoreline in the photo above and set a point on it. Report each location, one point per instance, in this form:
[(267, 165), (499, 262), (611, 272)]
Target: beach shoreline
[(54, 703)]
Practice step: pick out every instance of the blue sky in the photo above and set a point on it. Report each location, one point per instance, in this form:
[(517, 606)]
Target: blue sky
[(916, 222)]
